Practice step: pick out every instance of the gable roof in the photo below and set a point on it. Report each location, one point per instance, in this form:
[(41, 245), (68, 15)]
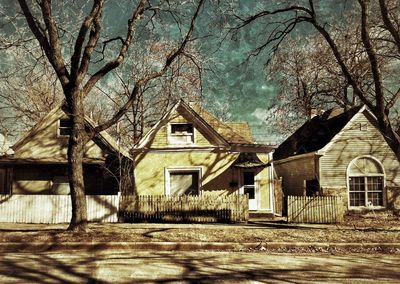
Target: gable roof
[(106, 139), (243, 128), (103, 137), (316, 133), (229, 130), (219, 131), (35, 129)]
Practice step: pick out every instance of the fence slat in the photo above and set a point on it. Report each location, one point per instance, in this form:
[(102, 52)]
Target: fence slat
[(229, 208), (314, 209), (52, 209)]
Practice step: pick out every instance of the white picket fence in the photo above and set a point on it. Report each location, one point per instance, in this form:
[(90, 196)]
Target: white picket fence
[(315, 209), (54, 209)]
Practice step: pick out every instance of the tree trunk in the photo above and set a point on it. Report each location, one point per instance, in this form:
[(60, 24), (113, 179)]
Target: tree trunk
[(392, 138), (77, 141)]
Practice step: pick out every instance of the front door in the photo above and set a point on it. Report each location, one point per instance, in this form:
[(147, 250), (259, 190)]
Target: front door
[(249, 187)]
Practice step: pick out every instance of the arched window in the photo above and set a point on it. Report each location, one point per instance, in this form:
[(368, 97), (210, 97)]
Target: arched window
[(366, 182)]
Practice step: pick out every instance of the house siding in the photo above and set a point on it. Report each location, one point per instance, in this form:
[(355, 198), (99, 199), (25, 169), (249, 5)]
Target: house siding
[(150, 170), (294, 172), (45, 144), (39, 179), (217, 173), (352, 143)]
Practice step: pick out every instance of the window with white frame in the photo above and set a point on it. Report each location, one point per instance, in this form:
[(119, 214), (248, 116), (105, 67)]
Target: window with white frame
[(64, 127), (181, 133), (183, 181), (366, 183)]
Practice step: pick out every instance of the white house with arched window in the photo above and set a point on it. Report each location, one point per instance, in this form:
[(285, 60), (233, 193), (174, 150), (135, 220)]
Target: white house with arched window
[(341, 153)]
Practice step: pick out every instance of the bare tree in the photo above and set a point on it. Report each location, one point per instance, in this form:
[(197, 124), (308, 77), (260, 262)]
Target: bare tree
[(377, 47), (183, 80), (80, 72)]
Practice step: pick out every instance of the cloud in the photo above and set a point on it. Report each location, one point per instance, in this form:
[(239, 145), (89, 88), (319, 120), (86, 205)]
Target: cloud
[(260, 113)]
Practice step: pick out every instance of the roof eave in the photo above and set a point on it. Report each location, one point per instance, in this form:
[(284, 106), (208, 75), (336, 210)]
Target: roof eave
[(297, 157)]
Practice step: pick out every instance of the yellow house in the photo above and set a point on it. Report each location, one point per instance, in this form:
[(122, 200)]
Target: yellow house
[(190, 151)]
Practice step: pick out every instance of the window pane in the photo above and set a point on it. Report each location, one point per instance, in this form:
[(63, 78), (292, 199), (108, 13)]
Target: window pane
[(375, 183), (181, 128), (248, 178), (375, 199), (357, 184), (65, 127), (357, 199), (65, 122), (184, 183), (364, 166), (357, 191), (250, 190), (65, 131), (375, 191)]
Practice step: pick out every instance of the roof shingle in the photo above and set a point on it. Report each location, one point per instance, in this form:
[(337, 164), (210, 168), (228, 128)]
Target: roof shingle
[(315, 133), (229, 131)]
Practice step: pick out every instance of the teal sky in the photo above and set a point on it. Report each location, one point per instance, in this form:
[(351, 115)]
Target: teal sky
[(234, 88), (237, 88)]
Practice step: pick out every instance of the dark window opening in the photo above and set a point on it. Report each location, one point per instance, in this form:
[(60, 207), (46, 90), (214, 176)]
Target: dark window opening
[(181, 128), (248, 178), (65, 127), (312, 187), (249, 185)]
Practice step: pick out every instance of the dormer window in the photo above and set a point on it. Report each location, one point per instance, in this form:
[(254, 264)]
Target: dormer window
[(181, 133), (64, 127)]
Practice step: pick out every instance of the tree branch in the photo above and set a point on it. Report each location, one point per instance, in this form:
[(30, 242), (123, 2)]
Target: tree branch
[(137, 14), (57, 59), (58, 66), (75, 58), (379, 97), (143, 81), (389, 25)]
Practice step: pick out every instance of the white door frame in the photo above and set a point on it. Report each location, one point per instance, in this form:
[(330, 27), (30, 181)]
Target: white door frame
[(253, 205)]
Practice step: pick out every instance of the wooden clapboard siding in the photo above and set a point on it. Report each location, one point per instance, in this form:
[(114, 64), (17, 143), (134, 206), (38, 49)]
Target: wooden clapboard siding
[(315, 209), (43, 143), (150, 169), (231, 208), (53, 209), (352, 142), (295, 171)]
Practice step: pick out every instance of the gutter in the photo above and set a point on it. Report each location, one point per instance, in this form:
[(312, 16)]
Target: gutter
[(297, 157)]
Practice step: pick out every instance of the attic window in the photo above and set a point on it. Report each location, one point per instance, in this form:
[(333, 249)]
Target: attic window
[(181, 133), (363, 126), (64, 127)]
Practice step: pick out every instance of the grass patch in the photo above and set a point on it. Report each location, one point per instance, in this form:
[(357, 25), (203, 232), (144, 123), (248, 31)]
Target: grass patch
[(355, 229)]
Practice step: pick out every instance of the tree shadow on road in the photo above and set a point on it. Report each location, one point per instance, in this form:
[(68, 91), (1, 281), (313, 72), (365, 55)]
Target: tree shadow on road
[(109, 266)]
